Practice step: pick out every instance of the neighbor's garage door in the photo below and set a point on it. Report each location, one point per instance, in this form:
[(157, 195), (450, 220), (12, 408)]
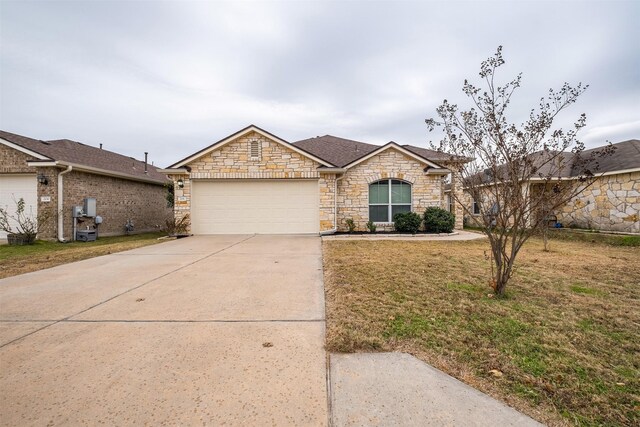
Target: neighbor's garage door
[(14, 187), (254, 206)]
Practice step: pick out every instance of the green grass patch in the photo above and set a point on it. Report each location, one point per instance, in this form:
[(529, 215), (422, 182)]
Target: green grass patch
[(584, 290), (15, 260), (45, 246), (567, 355)]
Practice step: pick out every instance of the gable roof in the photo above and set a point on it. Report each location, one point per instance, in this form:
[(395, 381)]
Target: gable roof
[(342, 152), (251, 128), (79, 154)]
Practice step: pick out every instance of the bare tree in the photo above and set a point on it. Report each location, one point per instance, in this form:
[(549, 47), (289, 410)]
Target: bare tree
[(517, 174)]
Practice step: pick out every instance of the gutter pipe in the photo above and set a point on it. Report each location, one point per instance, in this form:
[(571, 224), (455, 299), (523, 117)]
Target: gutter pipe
[(61, 205)]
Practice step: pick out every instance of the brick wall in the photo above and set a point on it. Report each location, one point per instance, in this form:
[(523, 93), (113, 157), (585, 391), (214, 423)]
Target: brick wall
[(14, 161), (353, 188), (117, 201)]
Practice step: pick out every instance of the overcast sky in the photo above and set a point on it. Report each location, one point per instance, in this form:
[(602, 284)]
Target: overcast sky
[(173, 77)]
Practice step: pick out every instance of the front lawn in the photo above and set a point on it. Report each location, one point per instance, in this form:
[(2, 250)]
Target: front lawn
[(563, 346), (16, 260)]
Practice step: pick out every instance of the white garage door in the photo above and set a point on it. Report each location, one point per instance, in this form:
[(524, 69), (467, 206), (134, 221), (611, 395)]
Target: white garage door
[(12, 188), (254, 206)]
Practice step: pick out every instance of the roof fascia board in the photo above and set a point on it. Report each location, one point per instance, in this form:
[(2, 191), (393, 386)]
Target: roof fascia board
[(97, 171), (438, 171), (174, 171), (239, 134), (331, 170), (24, 150), (397, 147)]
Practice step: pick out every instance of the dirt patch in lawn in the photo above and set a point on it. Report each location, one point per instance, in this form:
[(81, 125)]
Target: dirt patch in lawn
[(562, 347), (16, 260)]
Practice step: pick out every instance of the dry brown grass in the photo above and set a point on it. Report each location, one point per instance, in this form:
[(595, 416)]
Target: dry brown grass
[(16, 260), (566, 338)]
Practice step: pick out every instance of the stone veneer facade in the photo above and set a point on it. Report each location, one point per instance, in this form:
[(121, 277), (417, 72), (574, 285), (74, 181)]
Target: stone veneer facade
[(353, 188), (233, 161), (117, 199), (611, 203)]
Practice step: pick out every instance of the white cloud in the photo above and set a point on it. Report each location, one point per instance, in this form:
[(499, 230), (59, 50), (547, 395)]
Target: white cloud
[(171, 77)]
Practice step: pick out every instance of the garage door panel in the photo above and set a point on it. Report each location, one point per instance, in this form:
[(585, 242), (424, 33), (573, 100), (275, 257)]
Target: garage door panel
[(14, 187), (254, 206)]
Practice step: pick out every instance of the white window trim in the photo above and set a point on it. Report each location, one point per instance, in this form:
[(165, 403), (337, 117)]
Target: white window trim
[(475, 205), (390, 204)]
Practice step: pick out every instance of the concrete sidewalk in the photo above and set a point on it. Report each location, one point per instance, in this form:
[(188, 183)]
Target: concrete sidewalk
[(396, 389)]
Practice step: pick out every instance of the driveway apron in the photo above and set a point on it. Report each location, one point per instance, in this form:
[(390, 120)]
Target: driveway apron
[(208, 330)]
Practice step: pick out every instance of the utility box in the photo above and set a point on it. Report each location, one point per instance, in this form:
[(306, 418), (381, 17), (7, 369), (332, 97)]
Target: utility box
[(86, 235), (76, 212), (89, 207)]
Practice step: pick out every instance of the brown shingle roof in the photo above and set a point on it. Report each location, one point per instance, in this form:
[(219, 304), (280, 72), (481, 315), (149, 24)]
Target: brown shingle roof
[(626, 156), (436, 156), (337, 151), (341, 151), (68, 151)]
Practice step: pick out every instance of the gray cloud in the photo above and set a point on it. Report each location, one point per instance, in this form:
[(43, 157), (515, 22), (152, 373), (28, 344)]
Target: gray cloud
[(172, 77)]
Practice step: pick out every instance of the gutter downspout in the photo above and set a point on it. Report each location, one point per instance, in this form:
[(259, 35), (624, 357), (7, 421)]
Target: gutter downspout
[(335, 208), (61, 205)]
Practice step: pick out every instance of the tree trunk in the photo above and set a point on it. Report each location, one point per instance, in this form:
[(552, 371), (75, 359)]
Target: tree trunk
[(545, 237), (501, 280)]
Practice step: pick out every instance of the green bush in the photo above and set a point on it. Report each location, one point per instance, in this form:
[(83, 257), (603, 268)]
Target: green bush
[(350, 225), (438, 220), (371, 227), (407, 222)]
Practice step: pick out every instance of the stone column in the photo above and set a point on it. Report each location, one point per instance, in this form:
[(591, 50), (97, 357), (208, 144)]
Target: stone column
[(457, 196), (181, 197)]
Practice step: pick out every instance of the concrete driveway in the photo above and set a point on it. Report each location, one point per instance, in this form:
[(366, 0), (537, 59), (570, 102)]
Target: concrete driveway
[(213, 330)]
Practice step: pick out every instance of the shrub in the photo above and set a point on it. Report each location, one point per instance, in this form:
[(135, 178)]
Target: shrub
[(27, 226), (407, 222), (350, 225), (371, 227), (177, 227), (438, 220)]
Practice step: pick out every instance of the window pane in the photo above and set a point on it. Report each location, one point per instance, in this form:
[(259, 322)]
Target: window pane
[(379, 192), (379, 213), (399, 208), (400, 192)]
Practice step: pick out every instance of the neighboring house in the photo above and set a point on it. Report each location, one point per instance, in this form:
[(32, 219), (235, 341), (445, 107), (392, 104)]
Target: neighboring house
[(54, 176), (610, 203), (255, 182)]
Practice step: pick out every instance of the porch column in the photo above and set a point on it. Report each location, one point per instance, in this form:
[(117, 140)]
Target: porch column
[(457, 195)]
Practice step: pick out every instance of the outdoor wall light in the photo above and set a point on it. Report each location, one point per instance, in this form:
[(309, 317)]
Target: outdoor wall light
[(42, 179), (180, 183)]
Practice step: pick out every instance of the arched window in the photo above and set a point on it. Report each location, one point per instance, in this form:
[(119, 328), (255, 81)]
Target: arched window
[(388, 197)]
